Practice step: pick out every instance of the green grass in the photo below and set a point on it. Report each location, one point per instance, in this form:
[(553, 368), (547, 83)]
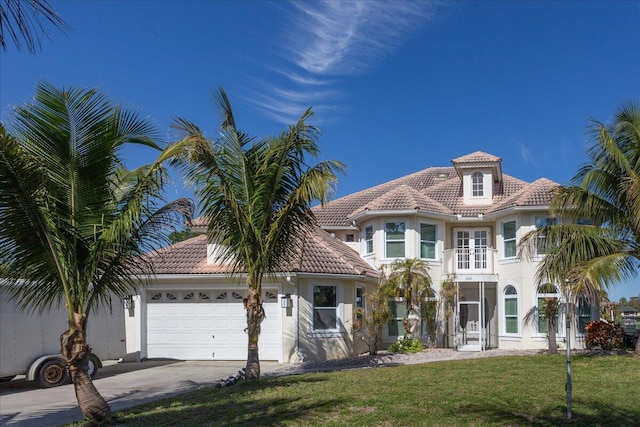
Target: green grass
[(497, 391)]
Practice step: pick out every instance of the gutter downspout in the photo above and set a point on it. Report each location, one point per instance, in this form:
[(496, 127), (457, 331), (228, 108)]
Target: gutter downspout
[(297, 324)]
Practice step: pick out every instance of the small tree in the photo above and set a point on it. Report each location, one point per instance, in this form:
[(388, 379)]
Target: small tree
[(547, 313), (179, 236), (447, 302), (370, 323), (410, 279)]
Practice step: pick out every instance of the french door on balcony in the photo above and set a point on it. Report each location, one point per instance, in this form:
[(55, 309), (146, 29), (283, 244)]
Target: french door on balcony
[(471, 249)]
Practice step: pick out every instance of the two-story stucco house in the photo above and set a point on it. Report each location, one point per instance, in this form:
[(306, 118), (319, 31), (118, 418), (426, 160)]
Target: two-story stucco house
[(465, 220)]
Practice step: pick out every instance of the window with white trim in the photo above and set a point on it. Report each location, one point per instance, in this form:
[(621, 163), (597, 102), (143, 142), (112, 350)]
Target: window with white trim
[(477, 184), (428, 241), (510, 310), (398, 311), (325, 308), (541, 247), (548, 304), (394, 239), (509, 239), (584, 314), (368, 239)]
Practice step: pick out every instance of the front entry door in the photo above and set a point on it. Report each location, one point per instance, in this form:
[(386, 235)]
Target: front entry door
[(470, 328)]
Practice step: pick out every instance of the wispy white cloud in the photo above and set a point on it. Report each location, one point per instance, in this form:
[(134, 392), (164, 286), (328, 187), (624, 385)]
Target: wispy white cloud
[(328, 42), (345, 37), (526, 154)]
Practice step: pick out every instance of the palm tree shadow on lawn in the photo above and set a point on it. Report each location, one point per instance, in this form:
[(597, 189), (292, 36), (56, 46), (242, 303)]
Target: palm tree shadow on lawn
[(244, 411), (599, 415)]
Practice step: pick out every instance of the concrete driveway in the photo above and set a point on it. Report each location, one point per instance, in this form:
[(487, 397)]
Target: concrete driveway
[(123, 385)]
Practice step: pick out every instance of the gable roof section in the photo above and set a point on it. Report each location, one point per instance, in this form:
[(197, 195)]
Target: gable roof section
[(326, 254), (538, 193), (321, 254), (477, 157), (402, 198)]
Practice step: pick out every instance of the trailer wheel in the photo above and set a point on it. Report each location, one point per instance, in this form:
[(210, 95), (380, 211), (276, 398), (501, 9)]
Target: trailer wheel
[(52, 374), (94, 365)]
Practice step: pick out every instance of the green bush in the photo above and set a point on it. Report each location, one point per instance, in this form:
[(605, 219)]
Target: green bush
[(406, 345), (604, 335)]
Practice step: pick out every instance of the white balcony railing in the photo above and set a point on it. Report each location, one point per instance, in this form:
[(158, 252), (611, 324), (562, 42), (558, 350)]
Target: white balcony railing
[(470, 261)]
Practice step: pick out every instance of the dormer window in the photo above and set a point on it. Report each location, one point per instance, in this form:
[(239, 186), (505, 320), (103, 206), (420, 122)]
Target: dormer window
[(481, 174), (477, 183)]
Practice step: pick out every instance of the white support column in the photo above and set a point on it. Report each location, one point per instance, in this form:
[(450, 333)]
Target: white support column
[(481, 314)]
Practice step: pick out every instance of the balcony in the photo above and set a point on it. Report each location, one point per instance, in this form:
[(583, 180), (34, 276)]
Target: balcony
[(470, 262)]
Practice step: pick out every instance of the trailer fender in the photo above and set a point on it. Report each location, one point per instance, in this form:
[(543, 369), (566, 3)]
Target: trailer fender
[(94, 364)]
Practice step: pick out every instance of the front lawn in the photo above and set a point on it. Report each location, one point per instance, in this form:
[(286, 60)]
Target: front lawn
[(496, 391)]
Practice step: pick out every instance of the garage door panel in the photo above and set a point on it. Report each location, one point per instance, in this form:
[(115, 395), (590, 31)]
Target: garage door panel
[(214, 329)]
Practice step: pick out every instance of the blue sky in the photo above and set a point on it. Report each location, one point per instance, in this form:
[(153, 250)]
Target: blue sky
[(396, 87)]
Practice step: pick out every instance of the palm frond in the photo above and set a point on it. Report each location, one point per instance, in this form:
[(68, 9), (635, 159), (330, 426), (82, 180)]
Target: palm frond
[(74, 219), (25, 23)]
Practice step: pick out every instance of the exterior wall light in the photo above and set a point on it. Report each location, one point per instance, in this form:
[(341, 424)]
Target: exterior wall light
[(286, 301), (128, 302)]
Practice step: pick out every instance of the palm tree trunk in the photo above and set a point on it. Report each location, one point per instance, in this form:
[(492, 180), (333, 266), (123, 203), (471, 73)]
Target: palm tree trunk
[(255, 315), (553, 346), (76, 350)]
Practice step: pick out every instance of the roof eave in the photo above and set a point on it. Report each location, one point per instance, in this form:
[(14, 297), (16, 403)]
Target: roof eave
[(369, 213)]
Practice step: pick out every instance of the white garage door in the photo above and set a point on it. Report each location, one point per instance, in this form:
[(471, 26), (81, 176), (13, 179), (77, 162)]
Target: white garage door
[(208, 325)]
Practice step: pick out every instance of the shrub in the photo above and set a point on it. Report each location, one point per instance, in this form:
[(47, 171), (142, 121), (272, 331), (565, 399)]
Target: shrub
[(406, 345), (604, 335)]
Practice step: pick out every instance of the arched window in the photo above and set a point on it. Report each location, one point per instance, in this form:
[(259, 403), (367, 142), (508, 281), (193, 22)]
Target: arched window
[(510, 310), (548, 308), (477, 184)]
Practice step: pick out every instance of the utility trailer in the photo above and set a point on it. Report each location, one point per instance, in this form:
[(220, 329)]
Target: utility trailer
[(30, 341)]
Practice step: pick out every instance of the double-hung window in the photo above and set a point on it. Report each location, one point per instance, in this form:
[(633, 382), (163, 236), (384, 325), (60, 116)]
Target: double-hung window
[(509, 239), (428, 241), (325, 308), (368, 239), (394, 239), (510, 310)]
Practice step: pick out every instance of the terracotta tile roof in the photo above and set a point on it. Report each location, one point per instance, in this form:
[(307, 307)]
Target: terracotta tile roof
[(326, 254), (477, 157), (436, 190), (321, 254), (538, 193), (405, 198), (338, 212)]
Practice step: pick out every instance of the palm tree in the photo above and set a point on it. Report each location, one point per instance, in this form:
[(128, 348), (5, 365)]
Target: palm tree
[(410, 279), (73, 220), (602, 246), (256, 195), (24, 23), (545, 316)]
